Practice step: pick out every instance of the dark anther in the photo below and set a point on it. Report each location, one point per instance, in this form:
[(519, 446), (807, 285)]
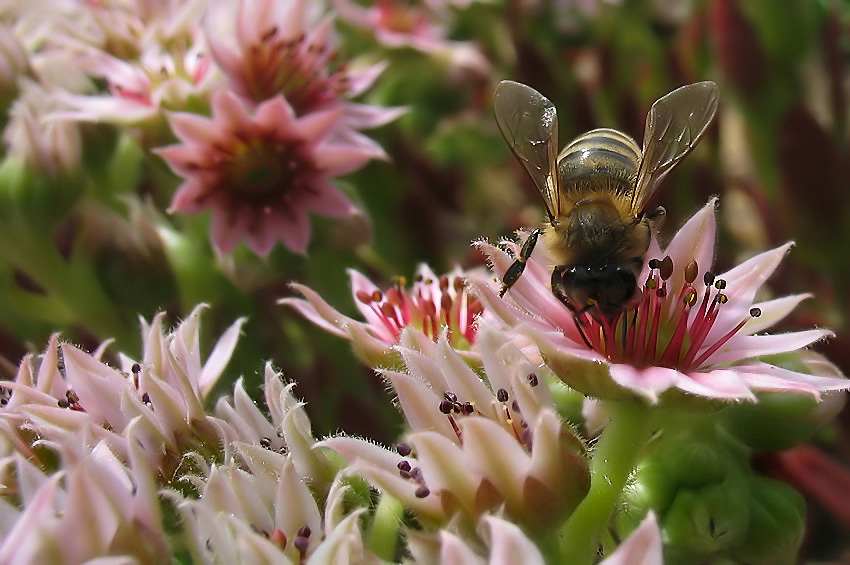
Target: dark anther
[(691, 272), (446, 407), (665, 268), (451, 397), (422, 492), (265, 443), (301, 544), (468, 408), (755, 312), (708, 278), (532, 379), (404, 449), (719, 284), (502, 395), (403, 466), (305, 531)]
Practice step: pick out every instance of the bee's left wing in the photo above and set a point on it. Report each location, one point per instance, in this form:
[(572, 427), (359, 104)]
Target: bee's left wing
[(529, 123), (674, 126)]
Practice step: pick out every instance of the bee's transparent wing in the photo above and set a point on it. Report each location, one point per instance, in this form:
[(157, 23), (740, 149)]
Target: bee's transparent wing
[(674, 126), (529, 123)]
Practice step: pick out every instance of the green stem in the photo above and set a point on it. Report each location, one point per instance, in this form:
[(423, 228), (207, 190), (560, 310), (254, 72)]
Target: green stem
[(614, 457), (382, 538)]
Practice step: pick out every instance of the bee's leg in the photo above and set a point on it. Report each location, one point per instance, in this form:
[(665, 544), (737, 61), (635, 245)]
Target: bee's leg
[(518, 266), (577, 320)]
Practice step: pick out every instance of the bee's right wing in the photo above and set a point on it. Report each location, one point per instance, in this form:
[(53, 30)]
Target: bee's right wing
[(674, 126), (529, 123)]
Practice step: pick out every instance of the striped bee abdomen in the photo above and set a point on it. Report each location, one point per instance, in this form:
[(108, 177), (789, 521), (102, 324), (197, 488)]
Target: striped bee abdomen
[(601, 159)]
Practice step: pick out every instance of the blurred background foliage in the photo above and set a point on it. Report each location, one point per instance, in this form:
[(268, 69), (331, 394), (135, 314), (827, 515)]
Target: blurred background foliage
[(777, 155)]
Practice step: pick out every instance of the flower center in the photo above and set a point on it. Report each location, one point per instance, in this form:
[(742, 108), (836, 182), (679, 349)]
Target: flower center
[(264, 172), (668, 327), (428, 307), (394, 16), (299, 68), (507, 414)]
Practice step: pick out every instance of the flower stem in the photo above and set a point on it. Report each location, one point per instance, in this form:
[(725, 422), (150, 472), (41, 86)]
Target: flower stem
[(616, 453), (382, 538)]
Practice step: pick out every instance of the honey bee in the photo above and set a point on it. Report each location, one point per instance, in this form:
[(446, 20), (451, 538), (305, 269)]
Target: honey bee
[(597, 188)]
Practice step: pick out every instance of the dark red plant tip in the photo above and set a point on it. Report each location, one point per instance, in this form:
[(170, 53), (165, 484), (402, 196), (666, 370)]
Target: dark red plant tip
[(835, 68), (737, 47), (816, 475), (817, 192)]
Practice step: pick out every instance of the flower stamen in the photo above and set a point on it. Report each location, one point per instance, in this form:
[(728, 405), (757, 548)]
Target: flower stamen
[(663, 332)]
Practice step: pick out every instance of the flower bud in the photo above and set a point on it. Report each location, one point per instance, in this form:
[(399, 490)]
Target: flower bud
[(707, 521), (780, 421), (777, 524), (686, 463)]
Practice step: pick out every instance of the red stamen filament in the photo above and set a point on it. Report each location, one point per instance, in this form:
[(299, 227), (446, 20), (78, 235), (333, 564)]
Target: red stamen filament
[(687, 330), (710, 351)]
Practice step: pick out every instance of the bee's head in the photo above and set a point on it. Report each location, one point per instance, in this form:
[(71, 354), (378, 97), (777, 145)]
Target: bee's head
[(610, 286)]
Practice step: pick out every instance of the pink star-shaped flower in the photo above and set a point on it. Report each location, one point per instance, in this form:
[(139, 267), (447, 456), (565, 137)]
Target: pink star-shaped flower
[(690, 330), (261, 173)]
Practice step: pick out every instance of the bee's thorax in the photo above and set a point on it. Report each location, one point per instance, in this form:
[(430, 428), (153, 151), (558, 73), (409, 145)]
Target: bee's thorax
[(592, 232)]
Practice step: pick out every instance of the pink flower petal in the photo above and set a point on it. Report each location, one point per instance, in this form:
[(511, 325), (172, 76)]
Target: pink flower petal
[(694, 241), (773, 311), (420, 404), (363, 116), (764, 377), (193, 128), (328, 201), (316, 125), (294, 233), (446, 468), (725, 384), (509, 545), (454, 551), (219, 357), (374, 464), (494, 454), (229, 112), (748, 346), (225, 232), (648, 382), (315, 309), (277, 113), (642, 547)]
